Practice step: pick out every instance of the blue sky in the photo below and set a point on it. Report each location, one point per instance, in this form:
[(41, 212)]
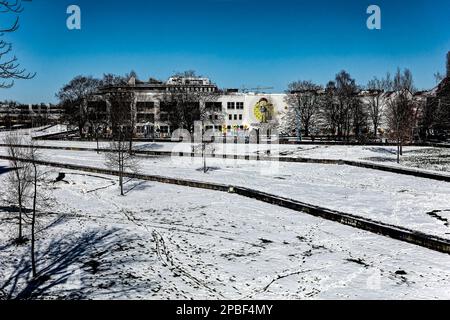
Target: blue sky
[(235, 42)]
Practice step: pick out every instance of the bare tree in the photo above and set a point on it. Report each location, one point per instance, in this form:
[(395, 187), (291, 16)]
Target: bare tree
[(32, 157), (359, 119), (97, 118), (7, 109), (23, 186), (401, 110), (123, 114), (329, 110), (74, 97), (346, 94), (304, 98), (377, 87), (435, 117), (119, 158), (186, 105), (212, 115), (375, 110), (10, 69), (403, 81), (341, 107), (448, 65), (19, 178), (110, 79), (205, 148), (183, 108)]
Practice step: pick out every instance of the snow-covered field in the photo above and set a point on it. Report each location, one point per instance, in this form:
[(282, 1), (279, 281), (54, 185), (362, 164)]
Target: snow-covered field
[(415, 203), (428, 158), (170, 242)]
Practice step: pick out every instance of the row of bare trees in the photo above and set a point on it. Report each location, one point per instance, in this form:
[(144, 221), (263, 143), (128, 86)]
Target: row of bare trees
[(335, 108), (339, 108)]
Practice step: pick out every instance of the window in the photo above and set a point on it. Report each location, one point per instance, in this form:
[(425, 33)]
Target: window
[(240, 105), (210, 117), (164, 117), (216, 117), (144, 106), (215, 106), (230, 105), (240, 117), (143, 118), (235, 117), (230, 117)]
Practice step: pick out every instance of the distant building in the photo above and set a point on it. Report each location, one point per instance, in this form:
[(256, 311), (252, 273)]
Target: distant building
[(233, 112), (13, 115)]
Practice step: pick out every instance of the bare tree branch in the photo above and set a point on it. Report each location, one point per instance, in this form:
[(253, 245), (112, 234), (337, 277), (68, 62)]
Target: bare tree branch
[(10, 69)]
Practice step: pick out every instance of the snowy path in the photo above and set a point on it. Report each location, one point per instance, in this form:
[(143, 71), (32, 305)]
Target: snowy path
[(221, 245)]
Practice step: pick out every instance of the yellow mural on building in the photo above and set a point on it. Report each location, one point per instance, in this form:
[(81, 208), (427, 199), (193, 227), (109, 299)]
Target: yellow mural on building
[(263, 110)]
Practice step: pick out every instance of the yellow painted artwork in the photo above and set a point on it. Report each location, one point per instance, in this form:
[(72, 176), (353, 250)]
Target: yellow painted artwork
[(263, 110)]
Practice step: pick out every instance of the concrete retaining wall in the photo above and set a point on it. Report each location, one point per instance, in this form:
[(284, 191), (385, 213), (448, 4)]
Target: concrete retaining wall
[(54, 136), (395, 232)]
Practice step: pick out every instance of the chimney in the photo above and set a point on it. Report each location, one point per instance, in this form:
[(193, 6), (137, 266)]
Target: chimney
[(448, 64)]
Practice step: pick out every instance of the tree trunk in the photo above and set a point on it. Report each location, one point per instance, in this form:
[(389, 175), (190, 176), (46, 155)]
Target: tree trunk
[(121, 165), (20, 214), (131, 144), (121, 183), (33, 223), (204, 157), (80, 129), (96, 137)]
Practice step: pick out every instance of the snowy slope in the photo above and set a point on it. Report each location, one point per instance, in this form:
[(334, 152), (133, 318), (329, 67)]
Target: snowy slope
[(97, 245)]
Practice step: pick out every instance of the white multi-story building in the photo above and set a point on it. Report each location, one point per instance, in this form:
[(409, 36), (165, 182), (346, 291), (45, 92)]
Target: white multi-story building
[(230, 112), (243, 112)]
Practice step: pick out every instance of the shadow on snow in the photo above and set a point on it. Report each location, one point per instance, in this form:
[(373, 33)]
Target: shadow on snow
[(58, 263)]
